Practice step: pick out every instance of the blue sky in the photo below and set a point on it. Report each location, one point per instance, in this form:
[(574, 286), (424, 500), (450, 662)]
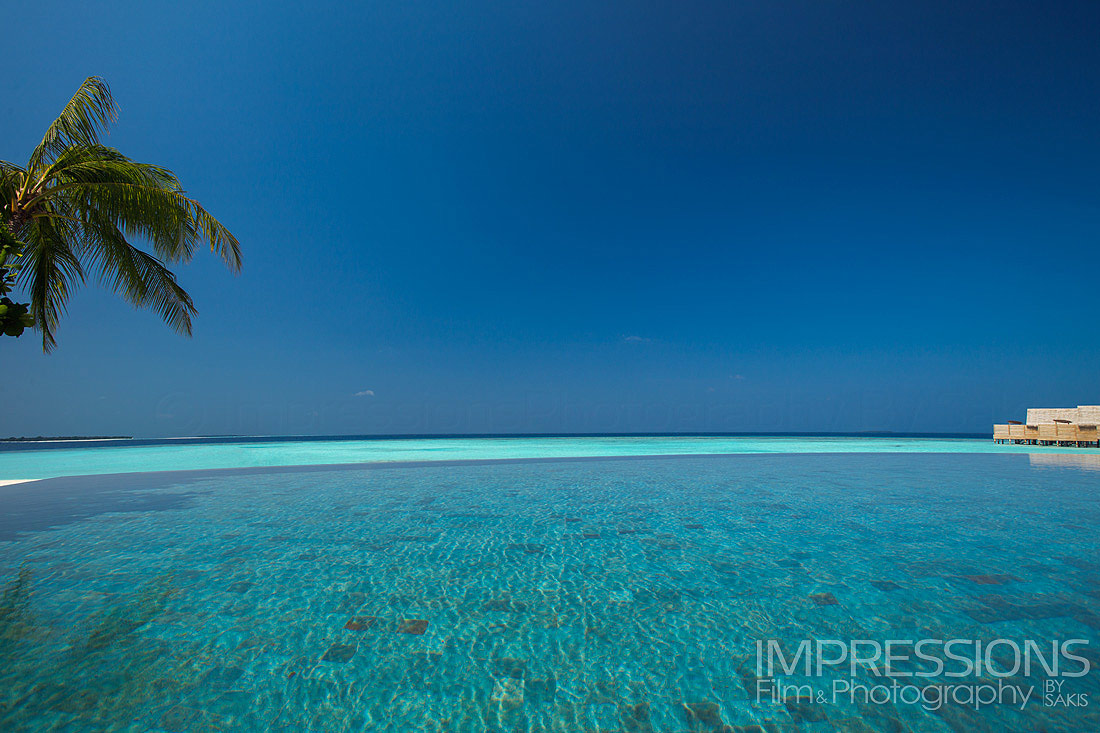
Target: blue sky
[(585, 216)]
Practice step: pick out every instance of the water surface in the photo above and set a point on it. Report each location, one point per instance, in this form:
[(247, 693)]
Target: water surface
[(603, 595), (27, 461)]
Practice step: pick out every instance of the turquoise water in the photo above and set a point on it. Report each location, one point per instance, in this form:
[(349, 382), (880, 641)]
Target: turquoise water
[(573, 595), (27, 464)]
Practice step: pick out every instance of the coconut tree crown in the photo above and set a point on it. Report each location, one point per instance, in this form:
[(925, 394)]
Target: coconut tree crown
[(77, 205)]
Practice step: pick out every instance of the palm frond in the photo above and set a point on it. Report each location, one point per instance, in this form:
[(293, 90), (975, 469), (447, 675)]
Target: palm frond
[(147, 200), (89, 111), (221, 240), (144, 200), (137, 276), (171, 221), (50, 270), (11, 180)]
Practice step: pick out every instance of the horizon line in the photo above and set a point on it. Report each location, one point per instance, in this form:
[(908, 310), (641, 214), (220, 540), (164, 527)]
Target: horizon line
[(45, 441)]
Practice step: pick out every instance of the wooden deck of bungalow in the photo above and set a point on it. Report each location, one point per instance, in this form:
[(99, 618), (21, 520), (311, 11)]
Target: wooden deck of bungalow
[(1067, 426)]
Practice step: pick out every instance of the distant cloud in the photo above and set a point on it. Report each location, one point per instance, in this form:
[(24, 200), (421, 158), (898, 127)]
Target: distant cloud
[(636, 339), (365, 393), (738, 377)]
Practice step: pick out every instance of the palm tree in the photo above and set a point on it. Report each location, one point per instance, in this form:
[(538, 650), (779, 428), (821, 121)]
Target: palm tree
[(76, 206)]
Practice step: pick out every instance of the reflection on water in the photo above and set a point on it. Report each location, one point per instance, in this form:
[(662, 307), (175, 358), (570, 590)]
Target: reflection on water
[(1087, 461), (99, 670), (15, 611)]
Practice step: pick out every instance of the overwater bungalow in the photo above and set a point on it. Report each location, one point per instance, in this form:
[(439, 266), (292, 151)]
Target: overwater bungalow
[(1071, 426)]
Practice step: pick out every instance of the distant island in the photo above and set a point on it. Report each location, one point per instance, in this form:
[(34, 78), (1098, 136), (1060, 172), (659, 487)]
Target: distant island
[(66, 437)]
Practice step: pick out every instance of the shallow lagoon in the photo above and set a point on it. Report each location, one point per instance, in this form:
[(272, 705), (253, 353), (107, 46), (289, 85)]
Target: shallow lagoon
[(28, 460)]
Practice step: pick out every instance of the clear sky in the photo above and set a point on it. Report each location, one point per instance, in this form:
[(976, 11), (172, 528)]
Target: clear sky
[(586, 216)]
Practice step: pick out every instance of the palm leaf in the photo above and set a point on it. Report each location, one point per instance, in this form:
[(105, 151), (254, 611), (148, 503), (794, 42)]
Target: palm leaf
[(11, 179), (52, 268), (90, 110), (171, 221), (137, 276), (145, 200)]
